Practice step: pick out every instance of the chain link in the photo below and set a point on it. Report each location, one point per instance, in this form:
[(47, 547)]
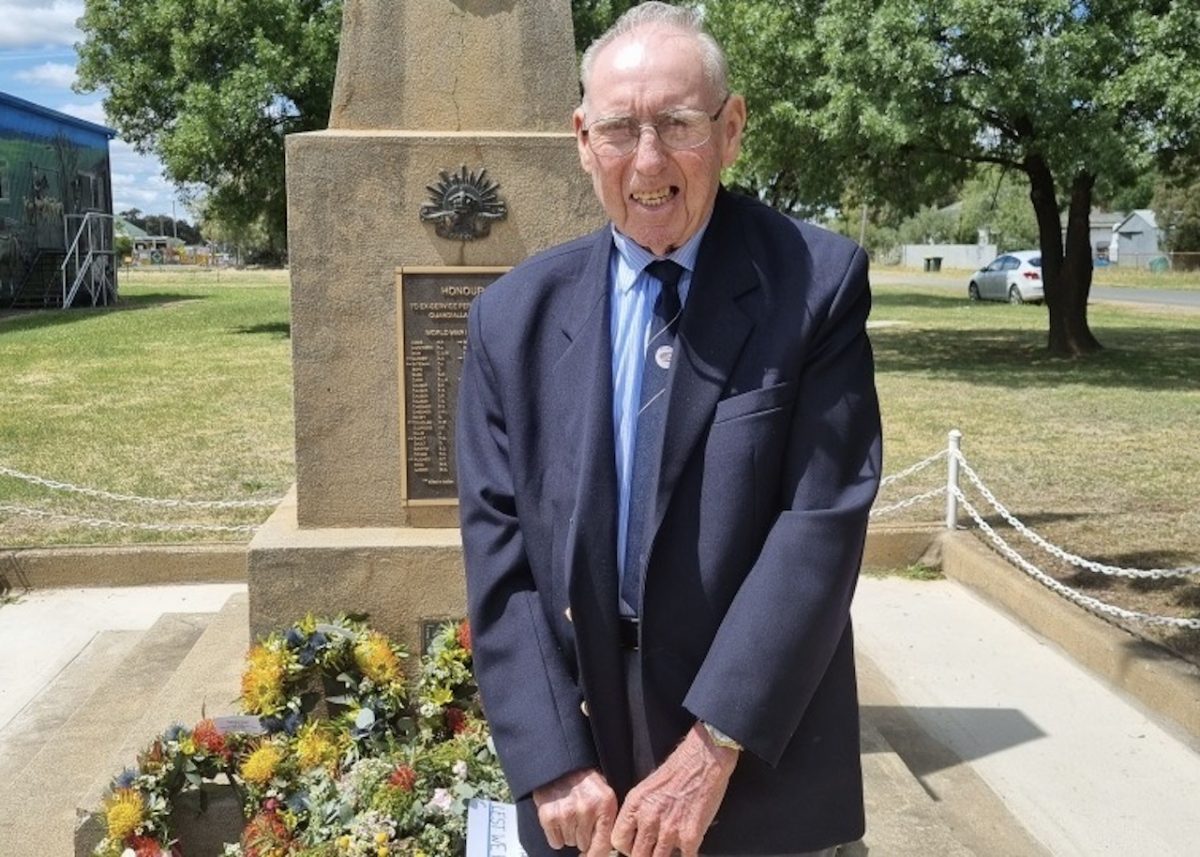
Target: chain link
[(1062, 589), (904, 504), (915, 468), (106, 523), (133, 498), (1059, 553)]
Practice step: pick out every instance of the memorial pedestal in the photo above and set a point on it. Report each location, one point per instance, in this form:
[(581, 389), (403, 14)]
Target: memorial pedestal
[(429, 94), (402, 577)]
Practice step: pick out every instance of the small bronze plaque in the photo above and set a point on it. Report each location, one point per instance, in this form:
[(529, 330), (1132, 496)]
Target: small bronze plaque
[(433, 304)]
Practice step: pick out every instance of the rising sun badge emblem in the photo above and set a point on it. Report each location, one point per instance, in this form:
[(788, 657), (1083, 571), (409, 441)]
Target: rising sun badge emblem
[(463, 205)]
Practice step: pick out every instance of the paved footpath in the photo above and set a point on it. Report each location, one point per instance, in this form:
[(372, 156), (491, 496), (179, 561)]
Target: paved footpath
[(44, 630), (1085, 770)]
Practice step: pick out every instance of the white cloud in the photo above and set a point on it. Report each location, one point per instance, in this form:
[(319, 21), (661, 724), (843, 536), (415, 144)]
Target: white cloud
[(32, 23), (91, 111), (58, 74)]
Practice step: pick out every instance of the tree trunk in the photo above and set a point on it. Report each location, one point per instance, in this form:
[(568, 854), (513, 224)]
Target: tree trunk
[(1066, 276)]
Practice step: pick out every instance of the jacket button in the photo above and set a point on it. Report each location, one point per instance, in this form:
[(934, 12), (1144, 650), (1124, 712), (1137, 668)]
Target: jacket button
[(583, 707), (567, 613)]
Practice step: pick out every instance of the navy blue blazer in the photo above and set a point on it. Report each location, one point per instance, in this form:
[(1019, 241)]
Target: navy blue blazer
[(769, 468)]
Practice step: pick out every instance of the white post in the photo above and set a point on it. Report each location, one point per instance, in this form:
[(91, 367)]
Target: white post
[(952, 479)]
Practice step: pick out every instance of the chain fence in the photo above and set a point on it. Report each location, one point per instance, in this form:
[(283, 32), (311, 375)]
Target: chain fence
[(956, 498), (135, 500), (951, 491)]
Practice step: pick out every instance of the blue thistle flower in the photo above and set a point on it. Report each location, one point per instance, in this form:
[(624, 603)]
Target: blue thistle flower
[(294, 638), (174, 731), (125, 779)]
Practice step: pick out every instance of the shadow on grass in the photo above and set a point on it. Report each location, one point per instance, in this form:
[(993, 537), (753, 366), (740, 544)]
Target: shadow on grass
[(881, 301), (36, 319), (282, 329), (1150, 358)]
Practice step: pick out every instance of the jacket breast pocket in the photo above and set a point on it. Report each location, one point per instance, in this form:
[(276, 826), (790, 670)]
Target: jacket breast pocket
[(755, 402)]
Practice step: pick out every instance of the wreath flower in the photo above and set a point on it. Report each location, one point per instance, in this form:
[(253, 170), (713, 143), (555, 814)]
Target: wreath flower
[(351, 758)]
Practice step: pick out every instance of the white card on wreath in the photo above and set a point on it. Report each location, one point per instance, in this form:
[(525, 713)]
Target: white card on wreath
[(492, 830)]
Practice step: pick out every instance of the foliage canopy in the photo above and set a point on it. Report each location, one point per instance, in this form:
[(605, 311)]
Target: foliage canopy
[(211, 87)]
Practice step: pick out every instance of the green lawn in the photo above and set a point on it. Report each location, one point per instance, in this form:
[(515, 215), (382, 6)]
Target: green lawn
[(1101, 456), (185, 391)]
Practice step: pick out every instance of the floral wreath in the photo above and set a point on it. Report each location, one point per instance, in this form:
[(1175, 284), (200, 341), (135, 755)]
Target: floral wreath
[(339, 754)]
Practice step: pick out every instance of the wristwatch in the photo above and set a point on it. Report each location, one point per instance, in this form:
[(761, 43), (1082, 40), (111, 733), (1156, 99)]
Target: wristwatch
[(720, 738)]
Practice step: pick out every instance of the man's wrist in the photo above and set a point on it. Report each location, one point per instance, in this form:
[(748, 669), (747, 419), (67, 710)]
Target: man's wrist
[(720, 739)]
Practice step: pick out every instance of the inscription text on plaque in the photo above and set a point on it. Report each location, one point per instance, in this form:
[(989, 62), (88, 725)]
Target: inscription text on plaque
[(433, 306)]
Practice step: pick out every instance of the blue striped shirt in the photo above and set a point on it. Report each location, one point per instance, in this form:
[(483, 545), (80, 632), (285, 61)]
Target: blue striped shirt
[(633, 295)]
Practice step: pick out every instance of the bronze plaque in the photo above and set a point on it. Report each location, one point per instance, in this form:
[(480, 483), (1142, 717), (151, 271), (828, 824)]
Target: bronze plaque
[(433, 304)]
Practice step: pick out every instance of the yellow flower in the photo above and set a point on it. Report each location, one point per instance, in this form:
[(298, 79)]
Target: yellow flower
[(124, 812), (382, 851), (314, 747), (343, 843), (261, 765), (381, 837), (375, 658), (262, 681), (187, 746)]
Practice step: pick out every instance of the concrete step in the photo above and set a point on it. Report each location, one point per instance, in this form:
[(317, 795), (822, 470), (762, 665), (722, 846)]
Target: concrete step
[(27, 732), (37, 811), (921, 799), (207, 682)]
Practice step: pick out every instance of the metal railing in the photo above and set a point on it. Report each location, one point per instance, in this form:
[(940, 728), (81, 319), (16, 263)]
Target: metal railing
[(91, 261)]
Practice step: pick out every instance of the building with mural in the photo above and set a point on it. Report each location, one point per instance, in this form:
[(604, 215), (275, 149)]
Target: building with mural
[(56, 209)]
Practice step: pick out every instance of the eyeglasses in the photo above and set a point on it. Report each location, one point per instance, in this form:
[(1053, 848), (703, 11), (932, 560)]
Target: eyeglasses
[(685, 128)]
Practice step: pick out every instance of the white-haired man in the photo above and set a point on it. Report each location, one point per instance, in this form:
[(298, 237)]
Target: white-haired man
[(668, 443)]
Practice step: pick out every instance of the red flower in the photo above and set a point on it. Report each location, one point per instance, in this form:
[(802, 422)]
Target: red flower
[(403, 778), (464, 635), (456, 720), (266, 835), (145, 846), (208, 737)]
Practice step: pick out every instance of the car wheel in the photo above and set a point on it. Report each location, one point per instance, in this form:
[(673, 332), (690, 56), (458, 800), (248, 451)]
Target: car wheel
[(973, 292), (1014, 295)]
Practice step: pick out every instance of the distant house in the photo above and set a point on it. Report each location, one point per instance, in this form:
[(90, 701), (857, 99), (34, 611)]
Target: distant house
[(1100, 231), (56, 230), (1136, 240), (149, 249)]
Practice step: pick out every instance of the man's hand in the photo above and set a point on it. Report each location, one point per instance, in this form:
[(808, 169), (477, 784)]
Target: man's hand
[(578, 809), (672, 808)]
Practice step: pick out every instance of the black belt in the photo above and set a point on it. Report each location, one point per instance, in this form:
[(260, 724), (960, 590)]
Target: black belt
[(628, 632)]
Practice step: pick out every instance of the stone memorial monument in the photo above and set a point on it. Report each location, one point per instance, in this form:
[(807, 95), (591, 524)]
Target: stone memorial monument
[(448, 159)]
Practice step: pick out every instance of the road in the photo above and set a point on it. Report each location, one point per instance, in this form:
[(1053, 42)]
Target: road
[(957, 282)]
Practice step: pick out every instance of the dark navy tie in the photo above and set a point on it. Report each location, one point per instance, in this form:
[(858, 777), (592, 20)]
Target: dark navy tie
[(648, 437)]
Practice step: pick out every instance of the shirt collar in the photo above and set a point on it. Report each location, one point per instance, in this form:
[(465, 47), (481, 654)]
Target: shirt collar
[(637, 257)]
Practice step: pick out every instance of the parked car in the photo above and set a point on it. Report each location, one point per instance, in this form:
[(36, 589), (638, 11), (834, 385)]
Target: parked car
[(1014, 277)]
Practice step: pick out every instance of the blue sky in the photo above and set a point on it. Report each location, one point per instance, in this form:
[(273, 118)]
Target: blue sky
[(37, 63)]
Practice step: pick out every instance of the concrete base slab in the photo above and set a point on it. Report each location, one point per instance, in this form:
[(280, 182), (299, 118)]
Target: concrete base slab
[(1164, 683), (1086, 772), (37, 808), (398, 576), (125, 565)]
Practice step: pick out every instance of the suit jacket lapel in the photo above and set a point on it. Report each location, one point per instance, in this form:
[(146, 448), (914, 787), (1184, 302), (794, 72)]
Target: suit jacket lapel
[(712, 332)]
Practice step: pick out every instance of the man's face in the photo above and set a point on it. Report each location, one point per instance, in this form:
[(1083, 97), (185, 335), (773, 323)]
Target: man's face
[(657, 196)]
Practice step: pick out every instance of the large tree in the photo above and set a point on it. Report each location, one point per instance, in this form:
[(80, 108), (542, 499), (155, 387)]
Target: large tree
[(898, 98), (211, 87)]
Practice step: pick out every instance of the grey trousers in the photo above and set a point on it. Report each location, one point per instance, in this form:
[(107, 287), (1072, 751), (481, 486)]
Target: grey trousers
[(643, 757)]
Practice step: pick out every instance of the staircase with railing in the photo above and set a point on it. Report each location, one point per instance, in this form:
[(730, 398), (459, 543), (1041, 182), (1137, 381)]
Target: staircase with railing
[(90, 263)]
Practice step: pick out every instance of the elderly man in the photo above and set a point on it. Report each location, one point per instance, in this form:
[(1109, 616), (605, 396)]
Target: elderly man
[(668, 442)]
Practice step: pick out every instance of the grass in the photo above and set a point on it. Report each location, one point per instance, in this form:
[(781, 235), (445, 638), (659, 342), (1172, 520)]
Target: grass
[(184, 390), (1099, 455)]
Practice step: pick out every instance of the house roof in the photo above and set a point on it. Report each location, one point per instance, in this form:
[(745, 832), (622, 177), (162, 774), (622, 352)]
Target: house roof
[(37, 110), (1146, 214), (124, 227)]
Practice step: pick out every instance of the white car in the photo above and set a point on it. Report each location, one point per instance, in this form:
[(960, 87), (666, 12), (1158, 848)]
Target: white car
[(1014, 277)]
